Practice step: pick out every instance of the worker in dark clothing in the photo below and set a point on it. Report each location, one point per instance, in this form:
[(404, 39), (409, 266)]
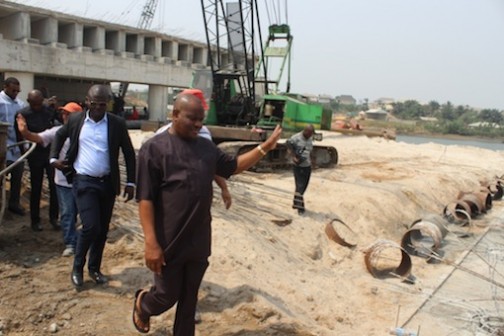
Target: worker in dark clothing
[(40, 117), (300, 146), (174, 191)]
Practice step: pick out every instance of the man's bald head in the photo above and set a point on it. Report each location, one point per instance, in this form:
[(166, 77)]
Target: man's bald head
[(35, 99), (97, 100), (184, 100), (308, 131), (101, 91), (188, 115)]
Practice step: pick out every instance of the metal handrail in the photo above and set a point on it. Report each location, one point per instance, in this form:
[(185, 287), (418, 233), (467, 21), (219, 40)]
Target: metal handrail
[(10, 167)]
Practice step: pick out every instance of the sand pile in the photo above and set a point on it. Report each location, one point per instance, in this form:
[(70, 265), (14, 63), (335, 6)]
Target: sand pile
[(274, 272)]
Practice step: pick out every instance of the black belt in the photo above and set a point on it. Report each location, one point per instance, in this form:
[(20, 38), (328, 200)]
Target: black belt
[(93, 178)]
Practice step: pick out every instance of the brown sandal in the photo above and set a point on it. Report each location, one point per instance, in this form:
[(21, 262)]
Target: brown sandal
[(144, 326)]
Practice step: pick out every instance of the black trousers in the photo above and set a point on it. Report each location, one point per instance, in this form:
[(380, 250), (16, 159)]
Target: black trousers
[(37, 169), (16, 175), (95, 198), (178, 283), (301, 178)]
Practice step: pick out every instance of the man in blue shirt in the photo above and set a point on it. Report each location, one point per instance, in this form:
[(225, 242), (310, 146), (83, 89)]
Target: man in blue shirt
[(9, 106)]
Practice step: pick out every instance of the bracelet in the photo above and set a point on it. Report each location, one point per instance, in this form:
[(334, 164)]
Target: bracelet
[(261, 150)]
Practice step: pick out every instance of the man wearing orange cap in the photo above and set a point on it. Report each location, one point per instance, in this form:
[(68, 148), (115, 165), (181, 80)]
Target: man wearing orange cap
[(66, 199)]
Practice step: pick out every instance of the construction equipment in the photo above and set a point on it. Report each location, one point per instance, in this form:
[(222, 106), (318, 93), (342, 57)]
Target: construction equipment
[(245, 104), (145, 22), (147, 14)]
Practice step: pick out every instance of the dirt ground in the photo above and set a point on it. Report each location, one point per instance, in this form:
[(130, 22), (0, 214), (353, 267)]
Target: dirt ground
[(273, 272)]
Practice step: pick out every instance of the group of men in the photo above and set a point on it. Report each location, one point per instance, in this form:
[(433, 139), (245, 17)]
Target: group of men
[(173, 182)]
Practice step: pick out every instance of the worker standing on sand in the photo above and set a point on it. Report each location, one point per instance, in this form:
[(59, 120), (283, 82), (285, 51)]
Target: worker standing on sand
[(174, 191), (300, 146)]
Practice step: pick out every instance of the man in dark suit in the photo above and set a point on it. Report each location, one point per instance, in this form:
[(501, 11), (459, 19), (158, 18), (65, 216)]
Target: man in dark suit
[(92, 161), (39, 118)]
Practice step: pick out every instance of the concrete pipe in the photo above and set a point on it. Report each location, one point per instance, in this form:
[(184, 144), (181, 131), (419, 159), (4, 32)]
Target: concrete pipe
[(341, 233), (495, 190), (422, 239), (435, 219), (385, 258), (458, 213), (474, 202), (486, 198)]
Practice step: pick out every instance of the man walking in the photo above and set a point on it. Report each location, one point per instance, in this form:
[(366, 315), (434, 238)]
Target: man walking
[(300, 146), (66, 200), (9, 106), (39, 118), (175, 174), (95, 139)]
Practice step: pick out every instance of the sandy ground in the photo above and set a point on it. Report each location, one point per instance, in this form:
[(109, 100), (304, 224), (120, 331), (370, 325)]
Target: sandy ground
[(273, 272)]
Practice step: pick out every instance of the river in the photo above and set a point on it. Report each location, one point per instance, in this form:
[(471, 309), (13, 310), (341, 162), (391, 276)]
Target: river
[(492, 145)]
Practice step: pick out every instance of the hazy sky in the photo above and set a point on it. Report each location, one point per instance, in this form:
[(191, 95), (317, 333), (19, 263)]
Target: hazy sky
[(443, 50)]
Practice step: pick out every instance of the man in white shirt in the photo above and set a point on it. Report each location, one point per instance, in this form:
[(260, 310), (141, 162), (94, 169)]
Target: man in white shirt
[(67, 205)]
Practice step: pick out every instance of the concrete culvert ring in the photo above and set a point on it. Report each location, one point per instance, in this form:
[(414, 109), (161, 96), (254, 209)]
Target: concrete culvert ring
[(435, 219), (458, 213), (341, 233), (474, 203), (500, 191), (423, 239), (485, 198), (496, 190), (464, 206), (385, 258), (467, 216)]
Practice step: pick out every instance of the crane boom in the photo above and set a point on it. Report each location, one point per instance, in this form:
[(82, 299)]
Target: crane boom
[(230, 27), (147, 14)]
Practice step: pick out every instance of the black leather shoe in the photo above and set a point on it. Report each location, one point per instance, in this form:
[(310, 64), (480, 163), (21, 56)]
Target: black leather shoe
[(36, 226), (56, 226), (77, 279), (17, 210), (98, 277)]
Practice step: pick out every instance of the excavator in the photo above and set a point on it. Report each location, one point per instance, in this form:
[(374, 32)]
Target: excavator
[(244, 99)]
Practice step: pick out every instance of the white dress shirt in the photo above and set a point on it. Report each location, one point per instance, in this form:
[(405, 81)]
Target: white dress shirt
[(93, 156)]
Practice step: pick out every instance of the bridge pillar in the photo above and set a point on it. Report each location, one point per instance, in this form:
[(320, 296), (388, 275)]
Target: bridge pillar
[(152, 46), (200, 56), (72, 35), (94, 37), (116, 41), (174, 50), (158, 102), (45, 30), (26, 82), (135, 44), (16, 26)]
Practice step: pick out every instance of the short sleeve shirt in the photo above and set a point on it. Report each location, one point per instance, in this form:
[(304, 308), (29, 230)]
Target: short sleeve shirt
[(176, 175), (305, 146)]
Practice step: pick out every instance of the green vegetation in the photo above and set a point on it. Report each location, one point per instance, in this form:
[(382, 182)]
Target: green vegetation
[(411, 117)]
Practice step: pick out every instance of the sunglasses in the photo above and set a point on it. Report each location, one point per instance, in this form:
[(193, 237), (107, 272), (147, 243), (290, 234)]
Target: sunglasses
[(94, 104)]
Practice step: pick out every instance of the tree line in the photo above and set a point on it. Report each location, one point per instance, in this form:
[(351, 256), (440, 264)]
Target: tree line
[(443, 118)]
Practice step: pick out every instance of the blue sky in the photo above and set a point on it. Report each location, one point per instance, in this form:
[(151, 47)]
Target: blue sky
[(443, 50)]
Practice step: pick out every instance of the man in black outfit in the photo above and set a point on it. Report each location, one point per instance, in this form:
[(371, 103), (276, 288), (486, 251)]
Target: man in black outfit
[(39, 118), (95, 139), (175, 173)]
